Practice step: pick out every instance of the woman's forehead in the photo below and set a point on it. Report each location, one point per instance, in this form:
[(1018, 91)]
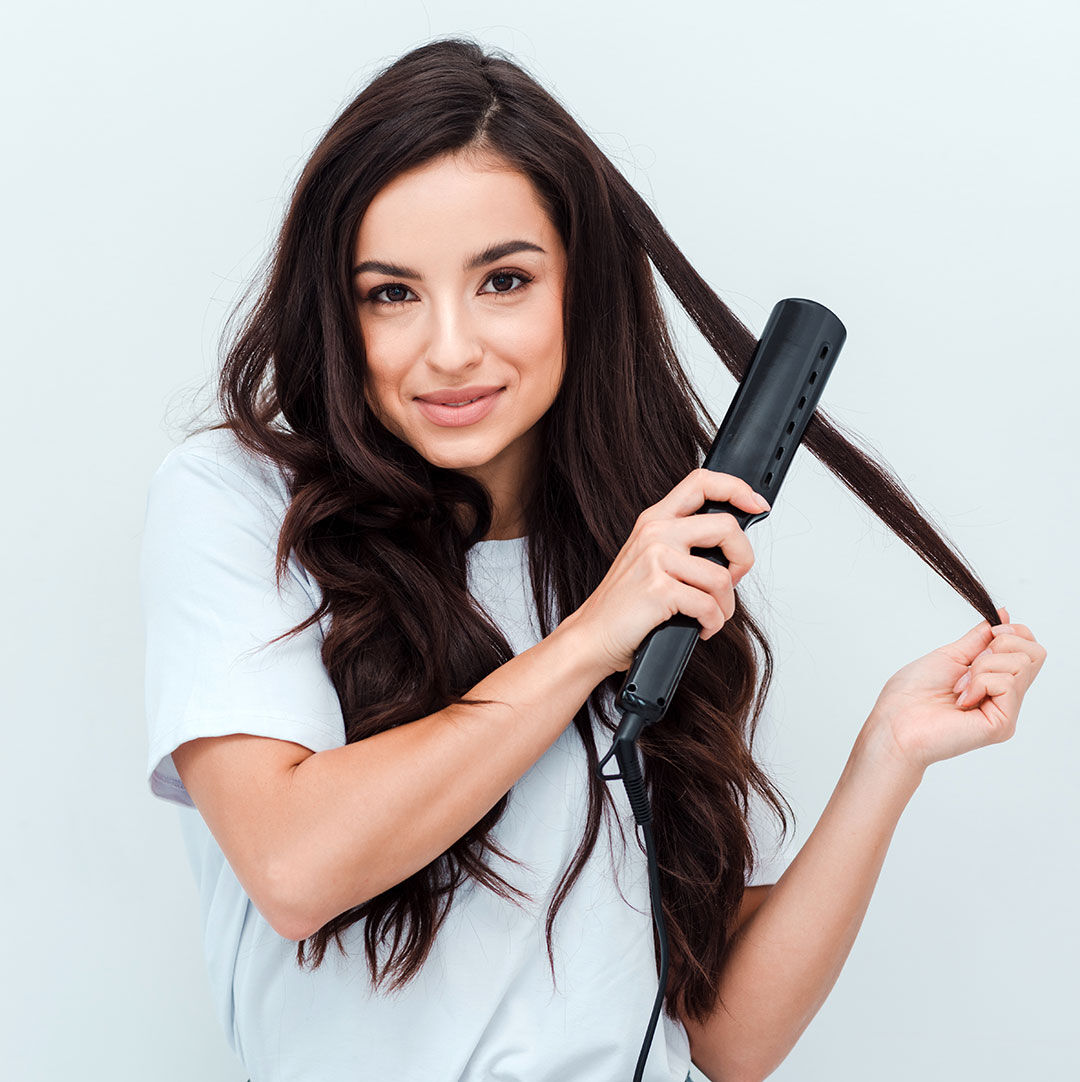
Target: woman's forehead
[(453, 217)]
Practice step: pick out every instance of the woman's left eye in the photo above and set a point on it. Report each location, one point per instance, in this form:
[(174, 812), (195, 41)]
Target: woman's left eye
[(523, 278), (374, 294)]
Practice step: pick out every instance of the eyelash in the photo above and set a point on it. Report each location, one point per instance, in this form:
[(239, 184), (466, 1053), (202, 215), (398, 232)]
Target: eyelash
[(525, 280)]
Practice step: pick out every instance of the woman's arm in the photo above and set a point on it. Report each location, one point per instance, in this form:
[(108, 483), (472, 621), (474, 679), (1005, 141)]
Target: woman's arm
[(359, 818), (787, 956), (312, 834), (790, 950)]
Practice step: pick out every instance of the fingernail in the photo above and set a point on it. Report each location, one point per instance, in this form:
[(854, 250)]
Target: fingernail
[(763, 503), (963, 681), (1003, 629)]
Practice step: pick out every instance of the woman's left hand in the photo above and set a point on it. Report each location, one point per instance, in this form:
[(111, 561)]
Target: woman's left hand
[(918, 707)]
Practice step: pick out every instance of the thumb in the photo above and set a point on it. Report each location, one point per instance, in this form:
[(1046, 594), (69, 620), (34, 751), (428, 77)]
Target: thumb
[(970, 645)]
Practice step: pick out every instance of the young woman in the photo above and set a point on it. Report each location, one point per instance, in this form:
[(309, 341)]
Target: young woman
[(385, 626)]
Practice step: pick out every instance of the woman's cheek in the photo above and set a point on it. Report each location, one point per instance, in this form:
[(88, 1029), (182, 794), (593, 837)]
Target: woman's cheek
[(536, 335)]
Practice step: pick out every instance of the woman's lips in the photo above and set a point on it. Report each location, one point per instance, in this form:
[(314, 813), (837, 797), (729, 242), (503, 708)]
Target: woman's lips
[(456, 416)]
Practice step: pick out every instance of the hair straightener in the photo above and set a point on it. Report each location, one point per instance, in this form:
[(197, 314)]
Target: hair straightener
[(756, 442)]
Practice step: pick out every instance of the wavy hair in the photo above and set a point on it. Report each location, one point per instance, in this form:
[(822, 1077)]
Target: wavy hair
[(378, 527)]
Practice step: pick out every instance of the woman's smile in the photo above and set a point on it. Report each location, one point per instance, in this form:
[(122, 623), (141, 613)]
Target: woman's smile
[(450, 416)]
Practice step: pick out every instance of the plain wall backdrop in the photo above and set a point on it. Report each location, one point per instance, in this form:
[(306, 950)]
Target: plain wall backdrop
[(912, 166)]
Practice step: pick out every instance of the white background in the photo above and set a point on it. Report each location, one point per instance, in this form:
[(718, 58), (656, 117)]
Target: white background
[(912, 166)]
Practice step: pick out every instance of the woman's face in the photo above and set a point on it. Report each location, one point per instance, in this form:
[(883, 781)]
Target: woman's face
[(459, 278)]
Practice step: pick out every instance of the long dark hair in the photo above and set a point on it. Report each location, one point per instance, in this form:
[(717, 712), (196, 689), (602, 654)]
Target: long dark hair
[(378, 527)]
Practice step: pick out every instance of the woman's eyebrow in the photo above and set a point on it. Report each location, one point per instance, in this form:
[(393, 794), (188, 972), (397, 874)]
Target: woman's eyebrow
[(488, 255)]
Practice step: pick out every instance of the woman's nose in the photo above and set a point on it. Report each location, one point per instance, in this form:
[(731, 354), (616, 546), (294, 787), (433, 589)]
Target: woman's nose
[(453, 340)]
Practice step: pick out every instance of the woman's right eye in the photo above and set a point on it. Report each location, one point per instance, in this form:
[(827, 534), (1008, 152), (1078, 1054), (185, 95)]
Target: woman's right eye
[(373, 295)]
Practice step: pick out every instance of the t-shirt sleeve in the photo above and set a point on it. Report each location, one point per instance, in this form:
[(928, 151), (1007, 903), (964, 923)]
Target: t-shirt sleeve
[(210, 604)]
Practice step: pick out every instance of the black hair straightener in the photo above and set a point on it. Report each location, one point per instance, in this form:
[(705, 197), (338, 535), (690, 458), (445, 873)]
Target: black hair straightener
[(757, 440)]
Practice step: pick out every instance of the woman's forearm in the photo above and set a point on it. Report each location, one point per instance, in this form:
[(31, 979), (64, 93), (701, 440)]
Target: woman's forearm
[(787, 956)]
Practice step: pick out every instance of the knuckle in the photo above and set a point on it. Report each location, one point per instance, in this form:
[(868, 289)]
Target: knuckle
[(714, 479), (656, 584), (654, 550), (650, 530)]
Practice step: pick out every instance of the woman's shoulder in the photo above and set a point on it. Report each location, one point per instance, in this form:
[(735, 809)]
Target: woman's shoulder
[(226, 462), (210, 498)]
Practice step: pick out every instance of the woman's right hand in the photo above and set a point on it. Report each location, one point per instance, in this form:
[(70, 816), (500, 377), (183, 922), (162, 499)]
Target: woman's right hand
[(654, 576)]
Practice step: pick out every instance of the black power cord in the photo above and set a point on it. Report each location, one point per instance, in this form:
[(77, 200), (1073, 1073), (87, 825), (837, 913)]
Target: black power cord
[(628, 754)]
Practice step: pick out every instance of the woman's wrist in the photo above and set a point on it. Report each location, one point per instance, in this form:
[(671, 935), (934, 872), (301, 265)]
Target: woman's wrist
[(586, 647), (877, 752)]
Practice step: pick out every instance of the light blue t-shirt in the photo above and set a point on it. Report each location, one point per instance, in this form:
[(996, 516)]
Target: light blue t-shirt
[(483, 1007)]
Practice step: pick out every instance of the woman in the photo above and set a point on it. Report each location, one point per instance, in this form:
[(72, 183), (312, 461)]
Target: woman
[(384, 634)]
